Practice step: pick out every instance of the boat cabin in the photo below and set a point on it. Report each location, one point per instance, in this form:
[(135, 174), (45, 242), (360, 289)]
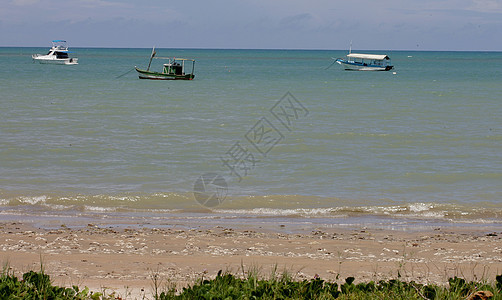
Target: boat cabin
[(174, 68), (59, 49), (61, 55), (369, 59)]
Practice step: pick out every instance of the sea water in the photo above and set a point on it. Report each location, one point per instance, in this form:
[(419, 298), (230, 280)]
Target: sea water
[(421, 144)]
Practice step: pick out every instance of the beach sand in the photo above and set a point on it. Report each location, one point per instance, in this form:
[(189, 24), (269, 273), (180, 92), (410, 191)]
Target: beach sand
[(124, 260)]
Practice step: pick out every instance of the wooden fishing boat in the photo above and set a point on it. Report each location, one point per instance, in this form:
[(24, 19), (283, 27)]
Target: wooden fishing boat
[(174, 69)]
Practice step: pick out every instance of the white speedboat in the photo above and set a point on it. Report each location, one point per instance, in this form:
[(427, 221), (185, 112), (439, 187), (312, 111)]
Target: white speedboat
[(58, 54), (365, 62)]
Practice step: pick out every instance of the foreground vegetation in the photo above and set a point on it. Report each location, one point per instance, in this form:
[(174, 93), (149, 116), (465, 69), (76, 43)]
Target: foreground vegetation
[(228, 286), (37, 285)]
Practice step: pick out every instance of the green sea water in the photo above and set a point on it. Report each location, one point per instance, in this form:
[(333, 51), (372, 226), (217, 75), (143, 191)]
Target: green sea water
[(422, 141)]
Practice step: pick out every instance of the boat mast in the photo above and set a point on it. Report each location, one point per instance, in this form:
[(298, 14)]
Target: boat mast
[(193, 68), (151, 57)]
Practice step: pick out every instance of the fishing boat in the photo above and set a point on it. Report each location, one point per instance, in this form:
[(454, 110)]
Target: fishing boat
[(58, 54), (174, 69), (365, 62)]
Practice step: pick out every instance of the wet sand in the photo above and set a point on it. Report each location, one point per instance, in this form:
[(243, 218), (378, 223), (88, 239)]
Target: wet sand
[(123, 260)]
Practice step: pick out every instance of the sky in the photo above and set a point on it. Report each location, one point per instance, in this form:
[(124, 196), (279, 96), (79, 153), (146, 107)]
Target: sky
[(444, 25)]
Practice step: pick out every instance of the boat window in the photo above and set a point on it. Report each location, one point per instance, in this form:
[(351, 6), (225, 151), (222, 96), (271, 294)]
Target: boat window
[(61, 55)]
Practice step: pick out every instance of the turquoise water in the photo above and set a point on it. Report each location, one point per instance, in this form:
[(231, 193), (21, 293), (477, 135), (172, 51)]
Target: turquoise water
[(422, 141)]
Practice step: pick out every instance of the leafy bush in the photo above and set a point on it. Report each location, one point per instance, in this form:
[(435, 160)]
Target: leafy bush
[(37, 285)]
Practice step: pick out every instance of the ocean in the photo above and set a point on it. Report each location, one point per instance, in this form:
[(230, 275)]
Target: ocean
[(260, 138)]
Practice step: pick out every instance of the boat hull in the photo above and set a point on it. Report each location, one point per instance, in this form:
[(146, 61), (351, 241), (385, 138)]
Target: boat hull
[(50, 60), (353, 66), (143, 74)]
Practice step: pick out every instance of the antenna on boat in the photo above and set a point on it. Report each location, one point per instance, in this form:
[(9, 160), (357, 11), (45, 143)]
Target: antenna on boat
[(350, 47), (151, 57)]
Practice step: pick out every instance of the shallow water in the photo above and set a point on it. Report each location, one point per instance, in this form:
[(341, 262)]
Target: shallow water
[(421, 142)]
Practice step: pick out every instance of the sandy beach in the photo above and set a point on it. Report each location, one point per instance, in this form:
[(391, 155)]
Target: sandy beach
[(124, 260)]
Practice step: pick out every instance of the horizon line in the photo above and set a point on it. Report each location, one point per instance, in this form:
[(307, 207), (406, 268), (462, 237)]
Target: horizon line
[(268, 49)]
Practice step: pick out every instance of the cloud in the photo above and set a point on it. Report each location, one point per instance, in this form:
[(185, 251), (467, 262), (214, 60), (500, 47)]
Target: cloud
[(299, 21), (486, 6), (41, 11), (24, 2), (257, 23), (94, 4)]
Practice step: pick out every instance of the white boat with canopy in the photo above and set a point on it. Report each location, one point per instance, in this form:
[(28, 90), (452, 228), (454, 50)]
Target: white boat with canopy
[(365, 62), (58, 54)]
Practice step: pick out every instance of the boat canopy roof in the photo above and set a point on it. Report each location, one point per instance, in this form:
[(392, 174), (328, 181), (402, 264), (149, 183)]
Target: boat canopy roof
[(60, 45), (175, 58), (368, 56)]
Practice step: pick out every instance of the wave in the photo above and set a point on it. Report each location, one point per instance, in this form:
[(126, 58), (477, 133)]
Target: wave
[(267, 206)]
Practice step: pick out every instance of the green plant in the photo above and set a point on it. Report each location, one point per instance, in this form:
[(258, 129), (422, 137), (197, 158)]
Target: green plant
[(38, 286)]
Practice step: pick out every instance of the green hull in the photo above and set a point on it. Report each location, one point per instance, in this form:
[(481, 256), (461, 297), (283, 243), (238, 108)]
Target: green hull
[(143, 74)]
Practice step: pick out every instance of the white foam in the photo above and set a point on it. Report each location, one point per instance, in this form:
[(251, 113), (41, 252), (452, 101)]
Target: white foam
[(124, 198), (419, 207), (278, 212), (99, 208), (33, 200)]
